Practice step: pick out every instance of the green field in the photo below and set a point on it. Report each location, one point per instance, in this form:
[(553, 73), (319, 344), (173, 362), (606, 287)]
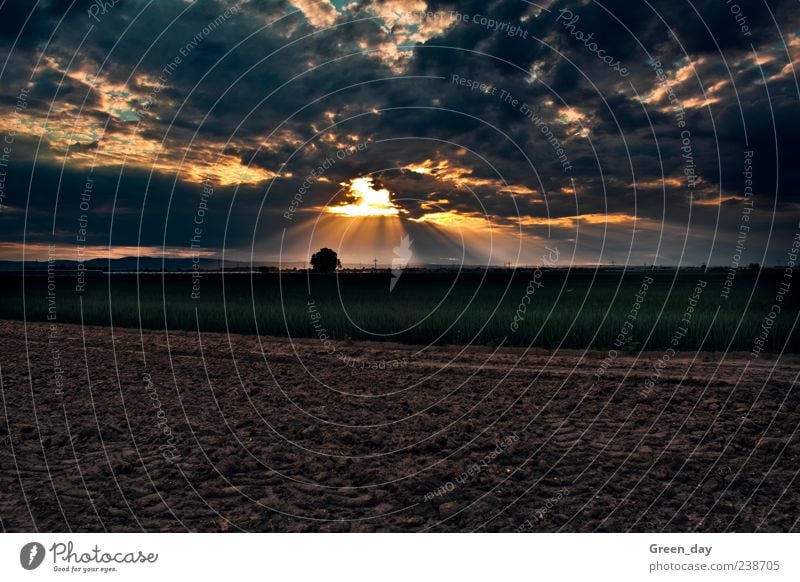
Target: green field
[(576, 309)]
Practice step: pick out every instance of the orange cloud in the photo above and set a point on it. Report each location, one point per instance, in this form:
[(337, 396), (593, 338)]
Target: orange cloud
[(462, 177), (572, 221)]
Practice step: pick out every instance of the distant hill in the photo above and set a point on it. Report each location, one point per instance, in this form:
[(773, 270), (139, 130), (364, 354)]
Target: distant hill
[(123, 264)]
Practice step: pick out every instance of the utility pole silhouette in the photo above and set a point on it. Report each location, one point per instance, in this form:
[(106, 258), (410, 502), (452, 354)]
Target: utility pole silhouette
[(375, 264)]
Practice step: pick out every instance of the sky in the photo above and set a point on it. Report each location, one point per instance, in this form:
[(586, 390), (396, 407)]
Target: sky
[(478, 133)]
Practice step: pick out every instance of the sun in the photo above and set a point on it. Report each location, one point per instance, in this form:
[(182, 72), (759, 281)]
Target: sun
[(367, 200)]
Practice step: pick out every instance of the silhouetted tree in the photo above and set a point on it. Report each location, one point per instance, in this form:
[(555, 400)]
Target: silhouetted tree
[(325, 261)]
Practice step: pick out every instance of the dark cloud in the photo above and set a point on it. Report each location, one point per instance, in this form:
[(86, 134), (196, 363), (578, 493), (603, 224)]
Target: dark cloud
[(252, 92)]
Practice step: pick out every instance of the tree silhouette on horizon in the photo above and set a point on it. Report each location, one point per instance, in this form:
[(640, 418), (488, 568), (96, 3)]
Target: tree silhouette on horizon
[(325, 260)]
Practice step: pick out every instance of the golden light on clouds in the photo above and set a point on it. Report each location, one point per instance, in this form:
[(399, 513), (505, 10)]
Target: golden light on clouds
[(660, 94), (572, 221), (367, 201), (570, 115), (225, 171), (576, 120), (718, 201), (428, 167), (403, 23), (320, 13), (450, 219), (462, 177), (792, 45), (117, 130), (657, 184)]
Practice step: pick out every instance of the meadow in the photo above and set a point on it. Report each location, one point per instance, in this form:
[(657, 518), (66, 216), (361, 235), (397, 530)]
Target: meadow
[(579, 308)]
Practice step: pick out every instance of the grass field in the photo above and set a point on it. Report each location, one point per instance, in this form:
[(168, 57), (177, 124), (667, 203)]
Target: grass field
[(576, 309)]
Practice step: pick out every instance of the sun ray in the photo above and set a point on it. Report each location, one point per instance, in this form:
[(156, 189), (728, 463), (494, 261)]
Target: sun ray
[(367, 200)]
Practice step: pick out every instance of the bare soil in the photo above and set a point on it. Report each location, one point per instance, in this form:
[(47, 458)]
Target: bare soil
[(123, 430)]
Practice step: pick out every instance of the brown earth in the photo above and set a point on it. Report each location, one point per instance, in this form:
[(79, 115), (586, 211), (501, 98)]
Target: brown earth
[(224, 436)]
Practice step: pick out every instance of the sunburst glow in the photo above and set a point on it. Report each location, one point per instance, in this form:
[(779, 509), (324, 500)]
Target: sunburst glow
[(367, 200)]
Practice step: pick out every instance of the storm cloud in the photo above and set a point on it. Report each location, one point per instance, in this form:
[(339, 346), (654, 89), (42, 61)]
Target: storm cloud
[(619, 131)]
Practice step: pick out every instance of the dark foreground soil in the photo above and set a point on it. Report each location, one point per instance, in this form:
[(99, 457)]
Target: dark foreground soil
[(122, 431)]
